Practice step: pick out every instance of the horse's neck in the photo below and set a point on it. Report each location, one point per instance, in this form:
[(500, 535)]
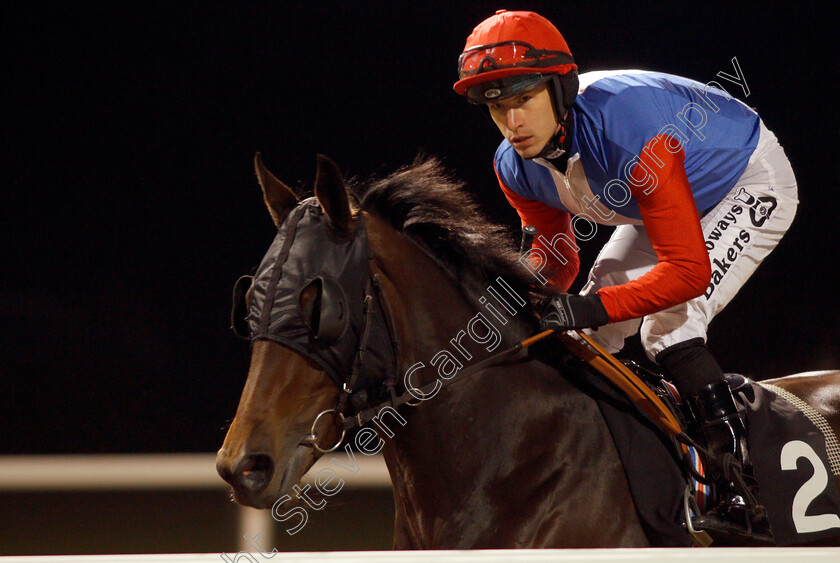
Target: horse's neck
[(428, 308), (461, 459), (431, 313)]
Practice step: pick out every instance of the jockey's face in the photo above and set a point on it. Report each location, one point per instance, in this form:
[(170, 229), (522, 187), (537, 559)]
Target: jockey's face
[(527, 120)]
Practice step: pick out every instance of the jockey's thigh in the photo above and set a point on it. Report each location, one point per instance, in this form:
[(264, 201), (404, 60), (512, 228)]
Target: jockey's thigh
[(740, 231), (627, 256)]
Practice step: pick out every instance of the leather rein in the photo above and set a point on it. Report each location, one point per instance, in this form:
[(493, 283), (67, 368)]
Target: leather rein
[(374, 291)]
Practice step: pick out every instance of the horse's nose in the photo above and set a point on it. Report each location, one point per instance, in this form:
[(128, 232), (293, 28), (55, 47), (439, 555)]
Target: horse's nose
[(223, 467), (253, 473)]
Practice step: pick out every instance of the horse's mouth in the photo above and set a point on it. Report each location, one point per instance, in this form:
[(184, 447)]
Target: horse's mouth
[(301, 461), (245, 497)]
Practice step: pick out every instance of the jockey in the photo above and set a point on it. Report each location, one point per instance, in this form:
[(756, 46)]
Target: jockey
[(698, 188)]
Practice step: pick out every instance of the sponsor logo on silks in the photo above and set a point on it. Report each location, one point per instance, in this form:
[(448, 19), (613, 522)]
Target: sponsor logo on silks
[(721, 265), (760, 207), (729, 219)]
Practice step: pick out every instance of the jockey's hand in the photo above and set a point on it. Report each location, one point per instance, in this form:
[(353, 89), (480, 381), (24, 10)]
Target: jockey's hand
[(568, 311)]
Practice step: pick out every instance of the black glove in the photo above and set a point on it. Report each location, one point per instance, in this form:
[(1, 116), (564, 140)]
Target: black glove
[(568, 311)]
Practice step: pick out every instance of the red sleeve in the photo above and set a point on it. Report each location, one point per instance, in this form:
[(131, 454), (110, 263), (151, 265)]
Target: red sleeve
[(672, 222), (550, 222)]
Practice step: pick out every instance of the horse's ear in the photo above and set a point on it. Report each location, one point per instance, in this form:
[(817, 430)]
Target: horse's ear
[(332, 194), (279, 197)]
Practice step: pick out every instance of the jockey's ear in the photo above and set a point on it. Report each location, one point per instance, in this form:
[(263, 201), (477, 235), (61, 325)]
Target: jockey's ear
[(332, 194), (279, 197)]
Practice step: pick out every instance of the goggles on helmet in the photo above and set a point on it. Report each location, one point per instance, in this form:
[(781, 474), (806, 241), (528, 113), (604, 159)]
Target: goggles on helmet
[(508, 54), (502, 88)]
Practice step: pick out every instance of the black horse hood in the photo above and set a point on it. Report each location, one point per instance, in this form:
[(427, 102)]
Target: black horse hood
[(306, 250)]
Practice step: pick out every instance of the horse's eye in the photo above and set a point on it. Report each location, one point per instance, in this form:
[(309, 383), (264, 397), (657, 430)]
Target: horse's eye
[(241, 304), (310, 305), (323, 306)]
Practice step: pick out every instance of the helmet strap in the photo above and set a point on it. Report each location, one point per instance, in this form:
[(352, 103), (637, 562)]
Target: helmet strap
[(556, 150)]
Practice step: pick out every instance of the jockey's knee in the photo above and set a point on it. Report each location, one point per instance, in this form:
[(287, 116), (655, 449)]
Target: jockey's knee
[(671, 327)]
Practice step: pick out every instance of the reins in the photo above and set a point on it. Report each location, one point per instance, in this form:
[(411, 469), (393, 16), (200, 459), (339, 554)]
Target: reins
[(516, 351), (410, 396), (583, 347)]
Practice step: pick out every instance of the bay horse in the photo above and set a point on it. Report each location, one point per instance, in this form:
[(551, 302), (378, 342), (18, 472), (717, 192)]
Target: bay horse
[(515, 456)]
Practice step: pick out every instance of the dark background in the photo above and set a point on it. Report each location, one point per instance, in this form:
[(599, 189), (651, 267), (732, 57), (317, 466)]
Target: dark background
[(130, 203)]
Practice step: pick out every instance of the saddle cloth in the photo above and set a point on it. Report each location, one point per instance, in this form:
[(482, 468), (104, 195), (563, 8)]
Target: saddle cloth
[(794, 453), (796, 458)]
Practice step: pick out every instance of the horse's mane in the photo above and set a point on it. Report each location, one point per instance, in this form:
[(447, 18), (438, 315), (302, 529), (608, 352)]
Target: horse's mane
[(431, 208)]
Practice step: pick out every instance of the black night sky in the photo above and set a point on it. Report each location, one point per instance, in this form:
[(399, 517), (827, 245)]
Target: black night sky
[(131, 206)]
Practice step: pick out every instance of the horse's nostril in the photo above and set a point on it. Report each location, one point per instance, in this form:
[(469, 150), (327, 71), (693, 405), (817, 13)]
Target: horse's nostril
[(255, 472), (224, 472)]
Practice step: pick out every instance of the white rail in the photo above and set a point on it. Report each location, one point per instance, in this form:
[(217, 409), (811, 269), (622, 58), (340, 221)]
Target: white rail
[(691, 555), (162, 472), (150, 471), (197, 471)]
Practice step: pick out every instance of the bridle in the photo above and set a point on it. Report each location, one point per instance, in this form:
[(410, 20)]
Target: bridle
[(349, 331), (376, 328), (410, 396), (348, 390), (374, 296)]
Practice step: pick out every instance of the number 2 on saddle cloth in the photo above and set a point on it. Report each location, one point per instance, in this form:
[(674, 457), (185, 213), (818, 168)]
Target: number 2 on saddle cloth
[(660, 412)]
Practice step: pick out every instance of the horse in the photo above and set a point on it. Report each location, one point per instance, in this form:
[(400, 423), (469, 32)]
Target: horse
[(514, 456)]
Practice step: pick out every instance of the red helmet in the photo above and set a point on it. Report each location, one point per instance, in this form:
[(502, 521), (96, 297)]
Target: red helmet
[(511, 52)]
